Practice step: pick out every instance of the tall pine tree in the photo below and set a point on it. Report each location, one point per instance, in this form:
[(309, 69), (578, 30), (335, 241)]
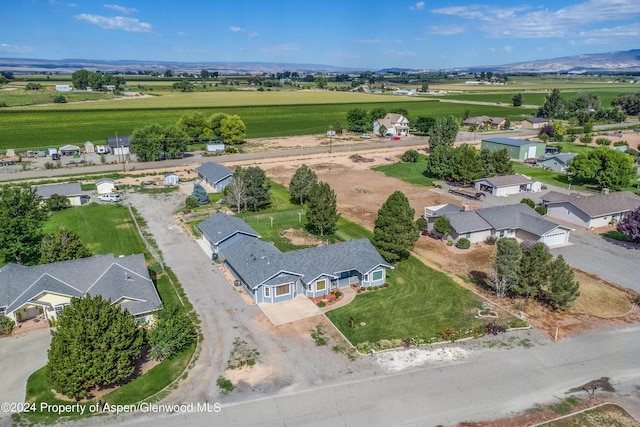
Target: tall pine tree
[(322, 208), (563, 288), (534, 271), (395, 231)]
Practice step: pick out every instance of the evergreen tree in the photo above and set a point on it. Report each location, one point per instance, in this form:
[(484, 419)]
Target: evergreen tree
[(553, 106), (501, 162), (302, 182), (534, 271), (395, 231), (95, 344), (563, 288), (443, 132), (172, 332), (200, 194), (486, 163), (506, 266), (322, 208), (63, 245), (22, 216), (257, 187), (630, 225)]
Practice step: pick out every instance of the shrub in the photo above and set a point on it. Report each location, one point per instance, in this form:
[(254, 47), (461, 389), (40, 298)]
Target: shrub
[(491, 240), (422, 224), (58, 99), (6, 325), (586, 139), (192, 202), (338, 294), (321, 304), (542, 210), (603, 142), (621, 144), (528, 202), (225, 385), (410, 156), (449, 242), (463, 243)]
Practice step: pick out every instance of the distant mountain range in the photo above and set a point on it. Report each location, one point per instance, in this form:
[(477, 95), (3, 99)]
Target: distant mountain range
[(611, 62)]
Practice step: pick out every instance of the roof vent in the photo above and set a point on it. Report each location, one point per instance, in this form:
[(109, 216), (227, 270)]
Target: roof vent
[(126, 275)]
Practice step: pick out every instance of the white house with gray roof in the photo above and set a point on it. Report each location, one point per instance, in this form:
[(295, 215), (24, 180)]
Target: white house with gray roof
[(506, 185), (71, 190), (396, 125), (215, 175), (517, 221), (42, 291), (588, 212), (271, 276)]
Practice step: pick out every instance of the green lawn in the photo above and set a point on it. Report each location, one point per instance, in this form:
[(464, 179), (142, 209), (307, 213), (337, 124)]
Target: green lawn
[(106, 229), (419, 302), (413, 173)]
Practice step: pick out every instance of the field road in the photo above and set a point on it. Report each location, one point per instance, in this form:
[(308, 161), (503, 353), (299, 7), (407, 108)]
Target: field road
[(482, 387)]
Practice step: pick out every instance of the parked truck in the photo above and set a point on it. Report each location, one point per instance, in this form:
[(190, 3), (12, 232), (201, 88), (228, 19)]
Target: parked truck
[(9, 160)]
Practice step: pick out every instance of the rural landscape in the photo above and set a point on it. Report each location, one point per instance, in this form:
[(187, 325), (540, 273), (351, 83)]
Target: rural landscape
[(286, 246)]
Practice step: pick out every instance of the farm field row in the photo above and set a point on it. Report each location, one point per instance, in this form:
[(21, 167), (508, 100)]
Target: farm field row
[(38, 129)]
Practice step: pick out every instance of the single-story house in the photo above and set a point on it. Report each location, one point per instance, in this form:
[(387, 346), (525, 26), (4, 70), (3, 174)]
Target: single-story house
[(271, 276), (396, 124), (119, 145), (71, 190), (594, 211), (63, 88), (557, 162), (42, 291), (171, 179), (432, 213), (518, 149), (215, 148), (89, 147), (534, 123), (485, 122), (506, 185), (105, 186), (214, 175), (517, 221), (69, 150)]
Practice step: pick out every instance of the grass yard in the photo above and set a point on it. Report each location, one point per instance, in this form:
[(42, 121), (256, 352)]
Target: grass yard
[(106, 229), (413, 173), (419, 302)]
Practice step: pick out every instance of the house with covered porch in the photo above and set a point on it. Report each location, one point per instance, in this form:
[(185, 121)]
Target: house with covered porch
[(271, 276)]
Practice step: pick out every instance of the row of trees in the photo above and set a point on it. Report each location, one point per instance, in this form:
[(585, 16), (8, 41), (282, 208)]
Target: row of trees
[(22, 237), (82, 79), (584, 107), (529, 270), (322, 207), (222, 127), (466, 163)]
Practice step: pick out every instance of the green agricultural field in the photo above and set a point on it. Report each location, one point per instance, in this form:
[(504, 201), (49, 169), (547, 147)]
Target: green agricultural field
[(106, 229), (21, 97)]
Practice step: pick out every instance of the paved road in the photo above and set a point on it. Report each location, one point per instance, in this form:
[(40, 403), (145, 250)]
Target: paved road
[(482, 387)]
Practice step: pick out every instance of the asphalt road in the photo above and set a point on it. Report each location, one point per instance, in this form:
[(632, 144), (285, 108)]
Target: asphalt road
[(486, 386)]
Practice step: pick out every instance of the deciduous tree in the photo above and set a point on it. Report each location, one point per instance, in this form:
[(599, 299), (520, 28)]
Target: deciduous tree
[(171, 333), (322, 208), (22, 216), (443, 132), (630, 225), (517, 100), (395, 231), (301, 183), (154, 142), (608, 168), (505, 266), (95, 344), (57, 202), (440, 161), (63, 245), (195, 125), (233, 129), (466, 164), (358, 120), (236, 192)]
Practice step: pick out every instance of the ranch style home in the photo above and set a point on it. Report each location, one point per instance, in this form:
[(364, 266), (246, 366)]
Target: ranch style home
[(72, 191), (517, 221), (214, 175), (42, 291), (588, 212), (271, 276), (396, 125)]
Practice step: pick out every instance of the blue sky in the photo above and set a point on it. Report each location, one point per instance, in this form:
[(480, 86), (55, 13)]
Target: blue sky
[(349, 33)]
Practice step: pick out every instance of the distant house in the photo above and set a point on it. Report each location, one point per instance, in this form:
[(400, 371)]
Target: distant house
[(507, 185), (63, 88), (534, 122), (89, 147), (588, 212), (396, 125), (105, 186), (271, 276), (518, 149), (119, 146), (485, 122), (215, 148), (171, 179), (71, 191), (69, 150), (42, 291), (214, 175), (517, 221), (557, 162)]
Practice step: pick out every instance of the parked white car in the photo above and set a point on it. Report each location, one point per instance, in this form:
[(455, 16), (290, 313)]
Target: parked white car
[(110, 197)]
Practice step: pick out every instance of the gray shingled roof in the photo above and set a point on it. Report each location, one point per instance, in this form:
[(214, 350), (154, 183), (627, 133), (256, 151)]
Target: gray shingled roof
[(536, 120), (214, 172), (112, 278), (103, 180), (445, 209), (254, 260), (122, 141), (517, 216), (506, 180), (220, 227), (599, 204), (562, 158), (68, 189), (510, 141)]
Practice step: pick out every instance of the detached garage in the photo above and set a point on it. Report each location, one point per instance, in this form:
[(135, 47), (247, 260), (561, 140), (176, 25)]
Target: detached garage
[(518, 149), (506, 185)]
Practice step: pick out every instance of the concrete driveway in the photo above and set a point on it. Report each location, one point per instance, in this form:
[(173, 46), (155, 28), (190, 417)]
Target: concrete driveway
[(283, 312), (20, 356)]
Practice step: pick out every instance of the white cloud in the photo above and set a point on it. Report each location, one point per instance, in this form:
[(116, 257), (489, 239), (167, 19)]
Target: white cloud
[(447, 30), (121, 9), (418, 6), (507, 48), (236, 29), (116, 23), (12, 48), (251, 34), (603, 35)]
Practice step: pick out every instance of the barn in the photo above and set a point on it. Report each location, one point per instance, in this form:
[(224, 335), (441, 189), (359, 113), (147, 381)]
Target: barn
[(518, 149)]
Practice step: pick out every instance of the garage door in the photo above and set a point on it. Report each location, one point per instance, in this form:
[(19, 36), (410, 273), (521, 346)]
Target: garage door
[(555, 238)]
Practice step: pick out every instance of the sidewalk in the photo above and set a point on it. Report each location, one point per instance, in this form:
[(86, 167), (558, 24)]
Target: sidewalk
[(348, 295)]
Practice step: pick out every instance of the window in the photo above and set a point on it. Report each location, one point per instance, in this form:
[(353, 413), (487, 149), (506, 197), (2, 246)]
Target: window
[(267, 292), (58, 308), (377, 275), (468, 235), (321, 285), (309, 287), (3, 311), (501, 233), (283, 289)]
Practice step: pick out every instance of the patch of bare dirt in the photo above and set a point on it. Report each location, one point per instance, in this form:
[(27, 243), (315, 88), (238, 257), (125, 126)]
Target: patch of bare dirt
[(301, 237)]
